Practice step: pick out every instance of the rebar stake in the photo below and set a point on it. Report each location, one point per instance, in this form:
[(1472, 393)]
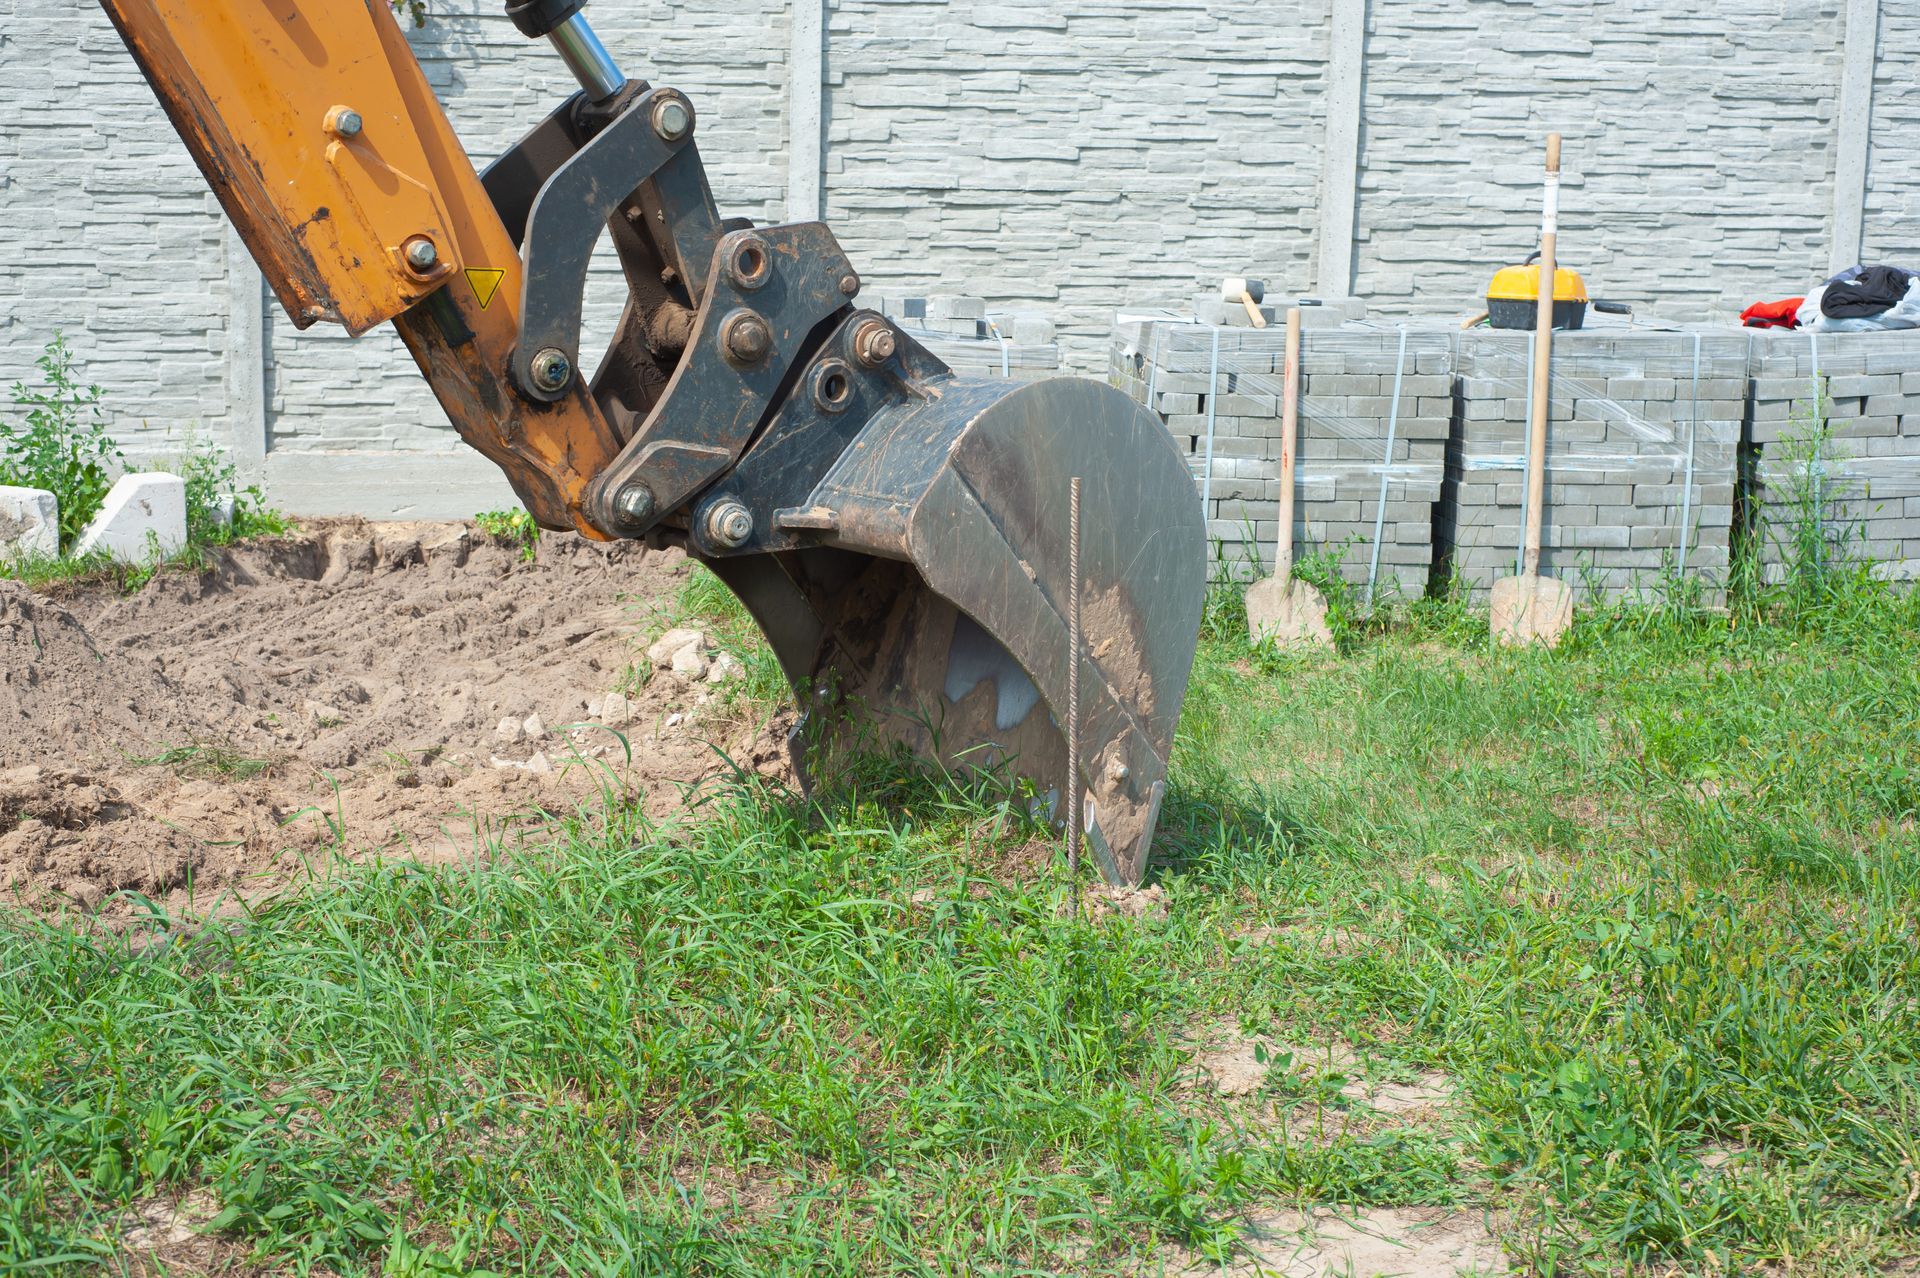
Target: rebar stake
[(1073, 690)]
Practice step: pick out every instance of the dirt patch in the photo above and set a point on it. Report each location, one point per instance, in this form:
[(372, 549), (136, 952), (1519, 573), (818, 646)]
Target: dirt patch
[(407, 689), (1409, 1242), (1232, 1064)]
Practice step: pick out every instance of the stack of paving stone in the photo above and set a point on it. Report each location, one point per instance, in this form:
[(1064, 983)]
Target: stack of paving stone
[(1332, 312), (973, 343), (1219, 389), (1858, 470), (1641, 459)]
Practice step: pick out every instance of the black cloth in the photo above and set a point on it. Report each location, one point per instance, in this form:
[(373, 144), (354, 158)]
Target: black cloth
[(1871, 292)]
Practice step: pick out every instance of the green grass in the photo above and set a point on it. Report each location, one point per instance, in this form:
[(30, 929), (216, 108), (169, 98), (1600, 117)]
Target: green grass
[(207, 760), (1649, 900)]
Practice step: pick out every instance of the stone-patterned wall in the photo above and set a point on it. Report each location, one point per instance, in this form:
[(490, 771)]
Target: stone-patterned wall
[(1699, 146), (1071, 157), (109, 234), (1892, 230)]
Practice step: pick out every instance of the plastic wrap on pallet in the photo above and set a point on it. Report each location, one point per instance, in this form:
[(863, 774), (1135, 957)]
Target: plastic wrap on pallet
[(1642, 458), (1836, 424), (1375, 405)]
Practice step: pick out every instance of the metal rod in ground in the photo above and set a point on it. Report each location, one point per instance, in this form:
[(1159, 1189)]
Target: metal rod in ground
[(1073, 689)]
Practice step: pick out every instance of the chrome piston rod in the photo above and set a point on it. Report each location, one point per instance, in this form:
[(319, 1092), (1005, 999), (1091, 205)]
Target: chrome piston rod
[(587, 58)]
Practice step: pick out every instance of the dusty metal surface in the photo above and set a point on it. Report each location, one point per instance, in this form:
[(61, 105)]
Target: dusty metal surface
[(947, 629)]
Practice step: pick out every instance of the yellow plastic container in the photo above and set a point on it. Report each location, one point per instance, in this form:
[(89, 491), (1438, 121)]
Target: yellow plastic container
[(1515, 292)]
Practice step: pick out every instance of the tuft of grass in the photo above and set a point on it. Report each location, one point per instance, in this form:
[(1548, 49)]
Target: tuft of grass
[(51, 575), (206, 760)]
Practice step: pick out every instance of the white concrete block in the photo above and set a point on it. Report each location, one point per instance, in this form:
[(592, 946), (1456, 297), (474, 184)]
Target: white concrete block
[(29, 524), (142, 511)]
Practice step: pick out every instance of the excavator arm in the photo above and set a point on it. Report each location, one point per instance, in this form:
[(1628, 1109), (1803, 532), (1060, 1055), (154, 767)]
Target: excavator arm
[(900, 534)]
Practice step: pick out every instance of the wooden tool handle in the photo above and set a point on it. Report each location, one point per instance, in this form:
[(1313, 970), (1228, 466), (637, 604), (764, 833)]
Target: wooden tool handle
[(1542, 362), (1254, 312), (1289, 435)]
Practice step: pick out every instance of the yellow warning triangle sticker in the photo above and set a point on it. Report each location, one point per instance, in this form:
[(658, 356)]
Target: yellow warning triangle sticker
[(485, 282)]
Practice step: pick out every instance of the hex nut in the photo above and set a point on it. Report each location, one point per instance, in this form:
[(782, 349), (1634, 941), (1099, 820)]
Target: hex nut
[(729, 524), (745, 337), (551, 369), (343, 122), (634, 503), (421, 255), (874, 343), (849, 284), (672, 119)]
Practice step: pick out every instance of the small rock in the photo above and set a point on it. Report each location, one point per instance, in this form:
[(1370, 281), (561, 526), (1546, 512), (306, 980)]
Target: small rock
[(688, 664), (539, 764), (675, 719), (322, 715), (615, 709), (29, 523), (532, 726), (503, 764), (662, 651), (723, 669), (1139, 903), (509, 730), (595, 706)]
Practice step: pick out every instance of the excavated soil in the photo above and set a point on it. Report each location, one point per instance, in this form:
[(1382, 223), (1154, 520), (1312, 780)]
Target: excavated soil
[(218, 736)]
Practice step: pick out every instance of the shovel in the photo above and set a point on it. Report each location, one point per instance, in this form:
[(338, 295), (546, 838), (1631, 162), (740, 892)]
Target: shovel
[(1281, 610), (1530, 608)]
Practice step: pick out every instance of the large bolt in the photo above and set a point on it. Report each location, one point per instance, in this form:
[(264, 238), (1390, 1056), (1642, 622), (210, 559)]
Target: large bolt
[(745, 337), (634, 503), (873, 343), (421, 254), (342, 122), (672, 119), (849, 284), (551, 369), (1118, 771), (729, 524)]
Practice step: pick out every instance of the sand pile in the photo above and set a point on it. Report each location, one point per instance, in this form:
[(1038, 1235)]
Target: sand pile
[(416, 689)]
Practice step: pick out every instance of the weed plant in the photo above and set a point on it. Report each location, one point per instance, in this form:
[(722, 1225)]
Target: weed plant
[(57, 441), (515, 527)]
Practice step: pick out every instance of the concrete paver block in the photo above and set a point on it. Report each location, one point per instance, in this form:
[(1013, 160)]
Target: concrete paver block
[(143, 511), (29, 523)]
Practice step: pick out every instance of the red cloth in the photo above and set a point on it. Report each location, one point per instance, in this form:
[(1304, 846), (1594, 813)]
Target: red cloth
[(1780, 314)]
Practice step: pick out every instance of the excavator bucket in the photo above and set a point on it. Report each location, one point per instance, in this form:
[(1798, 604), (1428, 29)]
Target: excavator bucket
[(935, 612), (902, 535)]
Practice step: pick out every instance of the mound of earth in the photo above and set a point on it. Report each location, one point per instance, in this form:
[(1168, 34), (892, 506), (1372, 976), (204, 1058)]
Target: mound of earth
[(419, 690)]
